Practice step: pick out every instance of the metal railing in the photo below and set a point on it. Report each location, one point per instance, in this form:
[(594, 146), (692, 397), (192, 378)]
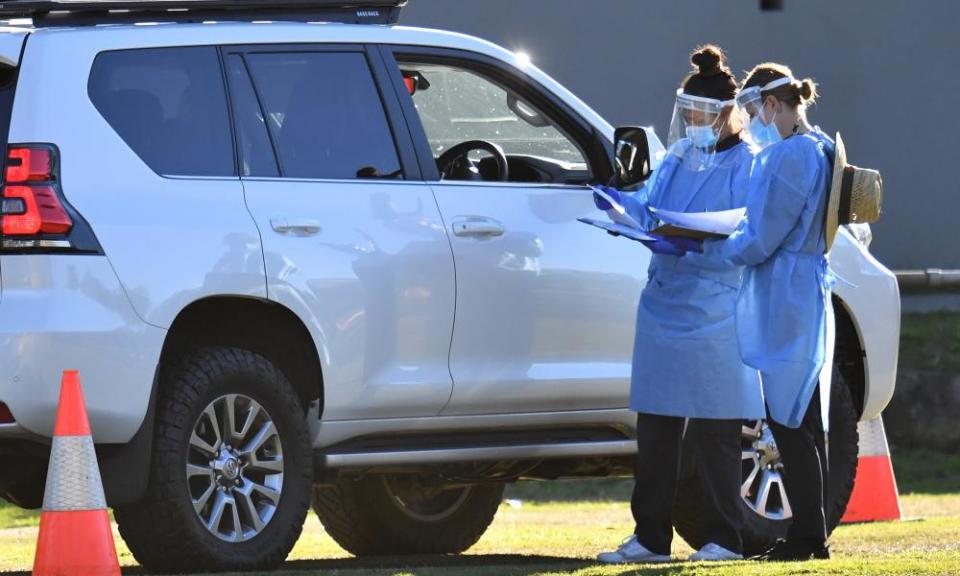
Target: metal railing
[(931, 280)]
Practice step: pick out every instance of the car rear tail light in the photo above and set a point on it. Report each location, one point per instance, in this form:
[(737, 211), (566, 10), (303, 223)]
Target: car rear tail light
[(29, 165), (6, 416), (34, 216), (33, 210)]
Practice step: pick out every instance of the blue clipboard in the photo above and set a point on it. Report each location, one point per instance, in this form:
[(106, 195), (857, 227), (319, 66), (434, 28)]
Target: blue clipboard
[(619, 230)]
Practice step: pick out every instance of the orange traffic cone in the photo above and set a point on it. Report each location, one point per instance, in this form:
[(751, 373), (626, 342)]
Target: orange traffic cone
[(75, 537), (875, 495)]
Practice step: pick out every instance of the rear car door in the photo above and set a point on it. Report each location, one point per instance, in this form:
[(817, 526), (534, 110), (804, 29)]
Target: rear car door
[(545, 304), (353, 241)]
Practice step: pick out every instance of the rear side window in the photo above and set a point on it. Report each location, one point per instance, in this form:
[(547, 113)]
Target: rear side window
[(325, 115), (256, 151), (169, 105)]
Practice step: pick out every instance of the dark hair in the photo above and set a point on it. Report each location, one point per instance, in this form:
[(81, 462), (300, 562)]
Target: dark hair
[(793, 94), (711, 77)]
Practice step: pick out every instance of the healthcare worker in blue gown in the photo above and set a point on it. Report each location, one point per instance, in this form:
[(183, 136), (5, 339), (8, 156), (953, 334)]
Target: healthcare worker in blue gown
[(686, 363), (783, 314)]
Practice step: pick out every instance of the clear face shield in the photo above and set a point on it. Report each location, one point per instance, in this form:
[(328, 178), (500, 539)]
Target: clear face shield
[(762, 132), (695, 128)]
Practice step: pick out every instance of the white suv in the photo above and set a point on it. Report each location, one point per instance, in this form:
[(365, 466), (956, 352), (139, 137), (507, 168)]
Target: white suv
[(331, 261)]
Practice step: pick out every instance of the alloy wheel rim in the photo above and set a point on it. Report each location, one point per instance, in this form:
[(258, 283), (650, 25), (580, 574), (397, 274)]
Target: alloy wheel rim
[(424, 502), (235, 468), (763, 490)]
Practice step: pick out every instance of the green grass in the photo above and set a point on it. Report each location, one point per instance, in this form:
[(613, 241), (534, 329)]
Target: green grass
[(930, 342), (927, 472), (562, 537), (548, 528), (13, 517), (557, 527)]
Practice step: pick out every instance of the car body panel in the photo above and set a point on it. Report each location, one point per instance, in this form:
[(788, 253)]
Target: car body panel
[(145, 223), (546, 310), (333, 433), (11, 45), (871, 294), (374, 285), (69, 312)]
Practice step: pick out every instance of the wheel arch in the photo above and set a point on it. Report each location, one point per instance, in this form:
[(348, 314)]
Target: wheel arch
[(254, 324), (850, 353)]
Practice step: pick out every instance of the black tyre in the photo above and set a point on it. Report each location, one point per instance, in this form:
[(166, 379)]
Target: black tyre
[(397, 515), (765, 522), (231, 468), (24, 483)]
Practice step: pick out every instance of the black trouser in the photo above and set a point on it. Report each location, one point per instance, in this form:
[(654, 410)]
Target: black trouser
[(657, 470), (804, 455)]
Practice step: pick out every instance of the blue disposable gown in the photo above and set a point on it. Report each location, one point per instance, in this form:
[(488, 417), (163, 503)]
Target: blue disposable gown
[(782, 312), (686, 361)]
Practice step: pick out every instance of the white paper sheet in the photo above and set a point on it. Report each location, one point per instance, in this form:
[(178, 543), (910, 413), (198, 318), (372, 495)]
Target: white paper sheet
[(618, 213), (722, 223)]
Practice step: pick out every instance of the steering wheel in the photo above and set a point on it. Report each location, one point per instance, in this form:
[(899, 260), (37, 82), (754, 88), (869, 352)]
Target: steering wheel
[(455, 164)]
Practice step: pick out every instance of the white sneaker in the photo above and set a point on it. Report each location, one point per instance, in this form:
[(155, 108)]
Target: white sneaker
[(631, 552), (714, 553)]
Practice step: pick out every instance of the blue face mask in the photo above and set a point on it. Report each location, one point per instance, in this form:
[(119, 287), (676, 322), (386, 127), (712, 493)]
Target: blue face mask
[(702, 136), (764, 135)]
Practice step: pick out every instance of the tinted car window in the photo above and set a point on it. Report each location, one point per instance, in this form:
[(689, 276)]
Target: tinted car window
[(256, 151), (169, 105), (325, 114)]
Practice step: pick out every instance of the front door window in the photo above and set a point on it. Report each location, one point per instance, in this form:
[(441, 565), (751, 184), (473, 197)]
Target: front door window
[(459, 106)]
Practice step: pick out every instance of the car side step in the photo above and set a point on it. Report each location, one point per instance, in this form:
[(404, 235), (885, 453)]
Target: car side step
[(454, 455)]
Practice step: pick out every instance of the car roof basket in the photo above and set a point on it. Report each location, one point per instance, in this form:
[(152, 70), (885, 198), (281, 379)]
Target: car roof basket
[(45, 13)]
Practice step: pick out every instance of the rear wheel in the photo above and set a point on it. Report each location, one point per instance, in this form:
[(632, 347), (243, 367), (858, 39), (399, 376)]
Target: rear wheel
[(405, 514), (231, 470), (764, 499)]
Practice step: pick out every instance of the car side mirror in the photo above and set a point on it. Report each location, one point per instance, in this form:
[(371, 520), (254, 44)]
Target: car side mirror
[(631, 157), (415, 81)]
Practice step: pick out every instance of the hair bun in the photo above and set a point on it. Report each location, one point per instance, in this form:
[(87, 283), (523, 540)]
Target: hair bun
[(709, 60), (808, 90)]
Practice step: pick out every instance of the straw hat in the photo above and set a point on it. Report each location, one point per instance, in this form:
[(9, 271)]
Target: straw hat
[(856, 194)]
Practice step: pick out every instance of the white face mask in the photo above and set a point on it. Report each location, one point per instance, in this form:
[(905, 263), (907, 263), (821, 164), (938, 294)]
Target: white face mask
[(764, 135), (702, 136)]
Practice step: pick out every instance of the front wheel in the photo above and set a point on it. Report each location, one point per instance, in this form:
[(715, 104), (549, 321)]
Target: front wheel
[(764, 499), (405, 514)]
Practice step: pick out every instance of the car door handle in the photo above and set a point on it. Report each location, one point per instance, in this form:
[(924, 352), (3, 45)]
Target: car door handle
[(298, 227), (476, 226)]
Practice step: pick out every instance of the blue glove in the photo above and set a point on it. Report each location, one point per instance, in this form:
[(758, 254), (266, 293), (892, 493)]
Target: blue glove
[(663, 246), (674, 245), (686, 244), (601, 202)]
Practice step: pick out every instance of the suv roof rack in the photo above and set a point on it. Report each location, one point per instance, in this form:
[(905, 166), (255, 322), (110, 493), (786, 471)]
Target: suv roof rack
[(45, 13)]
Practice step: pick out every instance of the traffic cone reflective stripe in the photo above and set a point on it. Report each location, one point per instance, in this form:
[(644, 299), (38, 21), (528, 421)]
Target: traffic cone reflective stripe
[(875, 496), (73, 478), (75, 537)]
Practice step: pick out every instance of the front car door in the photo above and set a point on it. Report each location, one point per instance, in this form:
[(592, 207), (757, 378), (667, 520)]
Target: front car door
[(545, 304), (353, 241)]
